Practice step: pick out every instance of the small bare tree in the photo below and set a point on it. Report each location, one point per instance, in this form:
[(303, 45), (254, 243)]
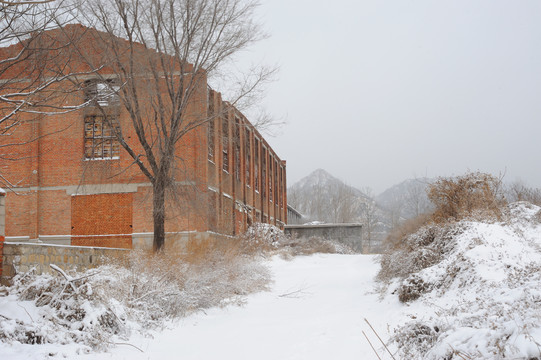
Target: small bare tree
[(518, 191), (369, 215), (160, 53), (344, 203)]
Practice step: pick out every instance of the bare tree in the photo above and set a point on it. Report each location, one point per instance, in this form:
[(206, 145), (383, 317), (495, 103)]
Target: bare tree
[(416, 199), (518, 191), (369, 214), (32, 65), (344, 203), (160, 53)]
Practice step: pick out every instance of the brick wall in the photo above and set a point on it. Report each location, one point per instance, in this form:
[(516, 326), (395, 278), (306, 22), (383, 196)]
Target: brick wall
[(53, 162), (107, 216)]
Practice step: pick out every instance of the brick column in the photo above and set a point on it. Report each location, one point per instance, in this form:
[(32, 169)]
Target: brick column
[(2, 227)]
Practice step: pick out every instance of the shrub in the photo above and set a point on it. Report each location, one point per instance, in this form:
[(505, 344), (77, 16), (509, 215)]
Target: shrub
[(398, 234), (419, 250), (141, 291), (473, 194), (520, 192), (412, 288), (265, 239), (415, 338)]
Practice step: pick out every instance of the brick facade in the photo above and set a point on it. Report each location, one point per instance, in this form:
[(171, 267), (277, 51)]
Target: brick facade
[(66, 191)]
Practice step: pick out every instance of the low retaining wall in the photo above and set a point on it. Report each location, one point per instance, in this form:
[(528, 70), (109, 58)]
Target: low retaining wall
[(21, 257), (347, 234), (2, 227)]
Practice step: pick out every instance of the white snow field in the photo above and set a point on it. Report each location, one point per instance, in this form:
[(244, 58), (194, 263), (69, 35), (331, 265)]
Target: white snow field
[(480, 299), (315, 310)]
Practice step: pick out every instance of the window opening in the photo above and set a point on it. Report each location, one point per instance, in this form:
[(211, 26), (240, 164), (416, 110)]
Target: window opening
[(100, 139)]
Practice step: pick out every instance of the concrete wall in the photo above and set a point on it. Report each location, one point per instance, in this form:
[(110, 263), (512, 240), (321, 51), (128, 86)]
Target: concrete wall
[(347, 234), (21, 257)]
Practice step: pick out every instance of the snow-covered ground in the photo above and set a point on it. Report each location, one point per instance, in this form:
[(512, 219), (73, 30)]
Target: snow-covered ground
[(474, 293), (315, 310)]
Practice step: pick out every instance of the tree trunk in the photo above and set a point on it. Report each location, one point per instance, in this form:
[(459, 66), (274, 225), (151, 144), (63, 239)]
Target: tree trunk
[(158, 214)]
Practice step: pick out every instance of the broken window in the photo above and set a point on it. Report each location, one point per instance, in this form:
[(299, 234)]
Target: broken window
[(210, 128), (270, 177), (100, 139), (263, 172), (248, 155), (237, 148), (256, 164), (225, 145), (103, 93)]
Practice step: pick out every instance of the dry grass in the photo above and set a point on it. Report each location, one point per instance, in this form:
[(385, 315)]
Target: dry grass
[(398, 234), (141, 290), (475, 194)]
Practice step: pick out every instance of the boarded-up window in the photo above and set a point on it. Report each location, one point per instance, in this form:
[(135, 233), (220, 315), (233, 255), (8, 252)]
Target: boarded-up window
[(102, 220)]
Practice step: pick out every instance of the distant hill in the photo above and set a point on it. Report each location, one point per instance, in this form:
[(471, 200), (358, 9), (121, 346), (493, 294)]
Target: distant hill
[(325, 198), (322, 197), (407, 199)]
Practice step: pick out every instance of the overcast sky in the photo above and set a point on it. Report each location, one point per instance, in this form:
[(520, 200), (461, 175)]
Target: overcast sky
[(376, 92)]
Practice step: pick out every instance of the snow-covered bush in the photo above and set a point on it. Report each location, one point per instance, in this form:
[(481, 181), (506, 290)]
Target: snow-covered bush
[(69, 311), (267, 239), (102, 306), (262, 238), (479, 296), (419, 250)]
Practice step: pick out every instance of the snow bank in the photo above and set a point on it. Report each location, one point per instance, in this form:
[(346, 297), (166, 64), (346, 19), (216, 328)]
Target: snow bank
[(482, 298)]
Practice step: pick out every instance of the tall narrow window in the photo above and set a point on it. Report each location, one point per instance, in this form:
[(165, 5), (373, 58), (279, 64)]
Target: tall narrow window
[(256, 164), (100, 140), (281, 187), (248, 155), (210, 139), (263, 172), (237, 148), (270, 176), (210, 128), (276, 187), (225, 144)]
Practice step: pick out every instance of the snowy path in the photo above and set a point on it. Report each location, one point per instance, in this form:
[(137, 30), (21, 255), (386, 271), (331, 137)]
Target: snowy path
[(321, 318)]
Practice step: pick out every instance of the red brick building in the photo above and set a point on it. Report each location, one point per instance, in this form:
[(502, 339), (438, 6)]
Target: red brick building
[(72, 183)]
